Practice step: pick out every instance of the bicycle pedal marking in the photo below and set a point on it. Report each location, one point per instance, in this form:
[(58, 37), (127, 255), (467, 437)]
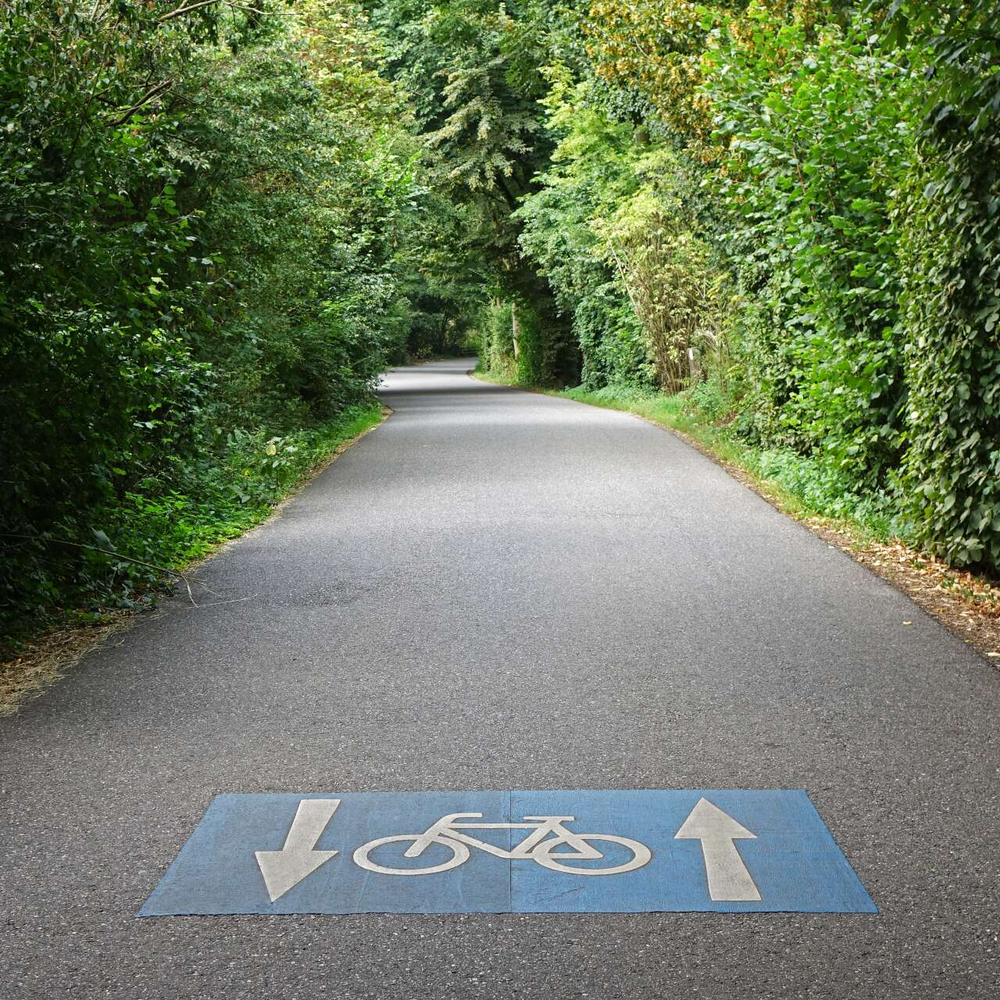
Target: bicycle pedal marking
[(522, 852)]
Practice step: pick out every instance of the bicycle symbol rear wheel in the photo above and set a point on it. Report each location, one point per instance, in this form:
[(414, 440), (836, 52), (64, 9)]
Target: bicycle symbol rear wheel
[(362, 860), (641, 855)]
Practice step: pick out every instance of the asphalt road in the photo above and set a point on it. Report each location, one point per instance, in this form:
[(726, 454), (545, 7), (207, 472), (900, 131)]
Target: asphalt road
[(500, 590)]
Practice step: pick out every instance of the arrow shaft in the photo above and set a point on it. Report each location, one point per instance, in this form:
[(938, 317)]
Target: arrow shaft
[(728, 877), (310, 821)]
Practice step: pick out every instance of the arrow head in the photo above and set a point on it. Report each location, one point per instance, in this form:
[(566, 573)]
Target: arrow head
[(283, 870), (709, 822)]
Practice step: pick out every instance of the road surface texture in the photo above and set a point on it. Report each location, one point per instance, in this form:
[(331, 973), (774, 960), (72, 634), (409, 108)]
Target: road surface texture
[(499, 590)]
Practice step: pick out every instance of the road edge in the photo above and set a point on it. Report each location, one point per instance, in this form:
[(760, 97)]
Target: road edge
[(965, 604), (48, 656)]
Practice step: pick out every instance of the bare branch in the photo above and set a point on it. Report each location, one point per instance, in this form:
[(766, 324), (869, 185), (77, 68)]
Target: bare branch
[(107, 552), (180, 11), (145, 99)]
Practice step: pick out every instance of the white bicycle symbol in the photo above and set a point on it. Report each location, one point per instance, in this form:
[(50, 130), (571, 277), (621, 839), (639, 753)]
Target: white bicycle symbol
[(534, 847)]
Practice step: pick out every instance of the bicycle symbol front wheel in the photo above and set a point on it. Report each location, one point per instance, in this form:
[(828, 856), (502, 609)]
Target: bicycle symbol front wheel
[(641, 855), (361, 859)]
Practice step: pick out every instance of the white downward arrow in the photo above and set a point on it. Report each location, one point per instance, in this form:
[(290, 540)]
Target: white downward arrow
[(284, 869), (728, 878)]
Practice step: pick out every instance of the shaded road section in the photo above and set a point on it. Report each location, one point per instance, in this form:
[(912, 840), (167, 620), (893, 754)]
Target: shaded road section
[(499, 590)]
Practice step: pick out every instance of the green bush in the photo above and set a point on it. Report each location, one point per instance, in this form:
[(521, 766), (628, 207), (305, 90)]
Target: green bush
[(496, 338), (614, 346), (948, 214), (200, 238), (812, 124), (534, 360)]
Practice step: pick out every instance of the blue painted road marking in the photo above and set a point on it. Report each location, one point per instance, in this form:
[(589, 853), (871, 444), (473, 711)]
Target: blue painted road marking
[(510, 852)]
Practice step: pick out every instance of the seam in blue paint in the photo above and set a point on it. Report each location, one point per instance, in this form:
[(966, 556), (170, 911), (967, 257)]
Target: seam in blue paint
[(509, 818)]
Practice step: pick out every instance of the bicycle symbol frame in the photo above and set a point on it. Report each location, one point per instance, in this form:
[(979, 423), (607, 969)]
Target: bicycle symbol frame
[(535, 847)]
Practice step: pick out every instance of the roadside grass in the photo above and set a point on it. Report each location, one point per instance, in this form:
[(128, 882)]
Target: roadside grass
[(221, 500), (154, 535)]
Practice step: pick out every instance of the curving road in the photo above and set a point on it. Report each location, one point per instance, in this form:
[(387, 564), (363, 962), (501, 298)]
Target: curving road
[(499, 590)]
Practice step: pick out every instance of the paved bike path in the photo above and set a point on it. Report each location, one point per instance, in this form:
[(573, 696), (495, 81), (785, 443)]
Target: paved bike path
[(500, 590)]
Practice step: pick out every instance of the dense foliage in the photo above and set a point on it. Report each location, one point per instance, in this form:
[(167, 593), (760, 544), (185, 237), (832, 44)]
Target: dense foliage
[(221, 221), (792, 207), (947, 213), (210, 237)]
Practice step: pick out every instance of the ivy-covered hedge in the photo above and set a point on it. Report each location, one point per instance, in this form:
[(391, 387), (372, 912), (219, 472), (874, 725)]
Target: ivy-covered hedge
[(948, 217)]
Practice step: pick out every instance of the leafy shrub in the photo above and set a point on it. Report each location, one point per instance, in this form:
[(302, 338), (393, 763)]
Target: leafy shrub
[(948, 214), (200, 238), (497, 339), (811, 123), (612, 341)]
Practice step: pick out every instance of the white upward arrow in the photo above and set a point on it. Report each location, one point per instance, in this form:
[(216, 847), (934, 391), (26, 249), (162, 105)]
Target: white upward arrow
[(728, 878), (284, 869)]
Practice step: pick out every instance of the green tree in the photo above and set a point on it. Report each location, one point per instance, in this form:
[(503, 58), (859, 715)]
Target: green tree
[(204, 217)]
